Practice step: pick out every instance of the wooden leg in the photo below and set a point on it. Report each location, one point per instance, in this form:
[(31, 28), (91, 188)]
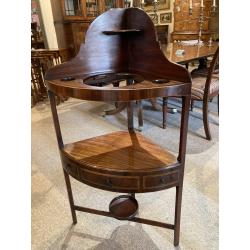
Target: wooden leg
[(202, 63), (205, 120), (164, 111), (58, 100), (120, 106), (130, 116), (116, 84), (130, 109), (70, 196), (61, 145), (154, 104), (140, 115), (181, 158), (177, 218), (192, 105)]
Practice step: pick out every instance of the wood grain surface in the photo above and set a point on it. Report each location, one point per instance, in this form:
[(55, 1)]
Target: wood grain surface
[(121, 151)]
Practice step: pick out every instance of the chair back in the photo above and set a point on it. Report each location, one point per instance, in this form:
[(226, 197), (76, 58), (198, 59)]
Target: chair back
[(210, 75), (41, 61)]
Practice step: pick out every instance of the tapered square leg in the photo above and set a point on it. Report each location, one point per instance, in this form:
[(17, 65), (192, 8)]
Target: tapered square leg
[(140, 115), (70, 196), (192, 105), (177, 219), (130, 116), (164, 111)]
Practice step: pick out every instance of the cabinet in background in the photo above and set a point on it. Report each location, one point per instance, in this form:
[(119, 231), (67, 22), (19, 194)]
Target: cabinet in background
[(73, 17), (186, 25)]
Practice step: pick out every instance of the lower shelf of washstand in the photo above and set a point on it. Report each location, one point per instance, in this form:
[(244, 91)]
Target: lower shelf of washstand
[(121, 162)]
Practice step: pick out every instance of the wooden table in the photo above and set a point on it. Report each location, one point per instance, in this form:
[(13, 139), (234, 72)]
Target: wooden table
[(192, 52)]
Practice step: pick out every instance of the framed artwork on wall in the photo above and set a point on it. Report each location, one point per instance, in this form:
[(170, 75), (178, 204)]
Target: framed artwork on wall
[(166, 17), (137, 3), (162, 5), (154, 18)]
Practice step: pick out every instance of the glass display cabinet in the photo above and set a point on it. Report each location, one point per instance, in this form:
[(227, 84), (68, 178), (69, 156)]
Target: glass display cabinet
[(72, 8), (75, 17), (87, 9)]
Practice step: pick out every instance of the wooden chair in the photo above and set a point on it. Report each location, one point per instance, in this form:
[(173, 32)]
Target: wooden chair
[(205, 86), (41, 61), (38, 88), (118, 45), (36, 39)]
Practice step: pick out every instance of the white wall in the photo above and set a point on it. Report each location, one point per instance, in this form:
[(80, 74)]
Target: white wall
[(48, 22)]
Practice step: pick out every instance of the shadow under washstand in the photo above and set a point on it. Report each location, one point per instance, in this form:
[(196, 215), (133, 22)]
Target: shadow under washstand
[(123, 238)]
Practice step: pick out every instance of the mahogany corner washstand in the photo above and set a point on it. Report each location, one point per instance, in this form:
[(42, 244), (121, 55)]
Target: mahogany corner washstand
[(121, 45)]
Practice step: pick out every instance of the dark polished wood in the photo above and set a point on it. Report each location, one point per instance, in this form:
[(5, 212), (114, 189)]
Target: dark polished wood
[(41, 61), (191, 52), (123, 207), (143, 90), (71, 26), (135, 219), (105, 162), (122, 161), (38, 88), (164, 111), (186, 25), (140, 115), (162, 33), (101, 54), (205, 87), (205, 83), (37, 41)]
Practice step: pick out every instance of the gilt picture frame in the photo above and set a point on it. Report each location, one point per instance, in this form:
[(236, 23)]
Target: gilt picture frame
[(166, 17), (161, 5), (154, 18)]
